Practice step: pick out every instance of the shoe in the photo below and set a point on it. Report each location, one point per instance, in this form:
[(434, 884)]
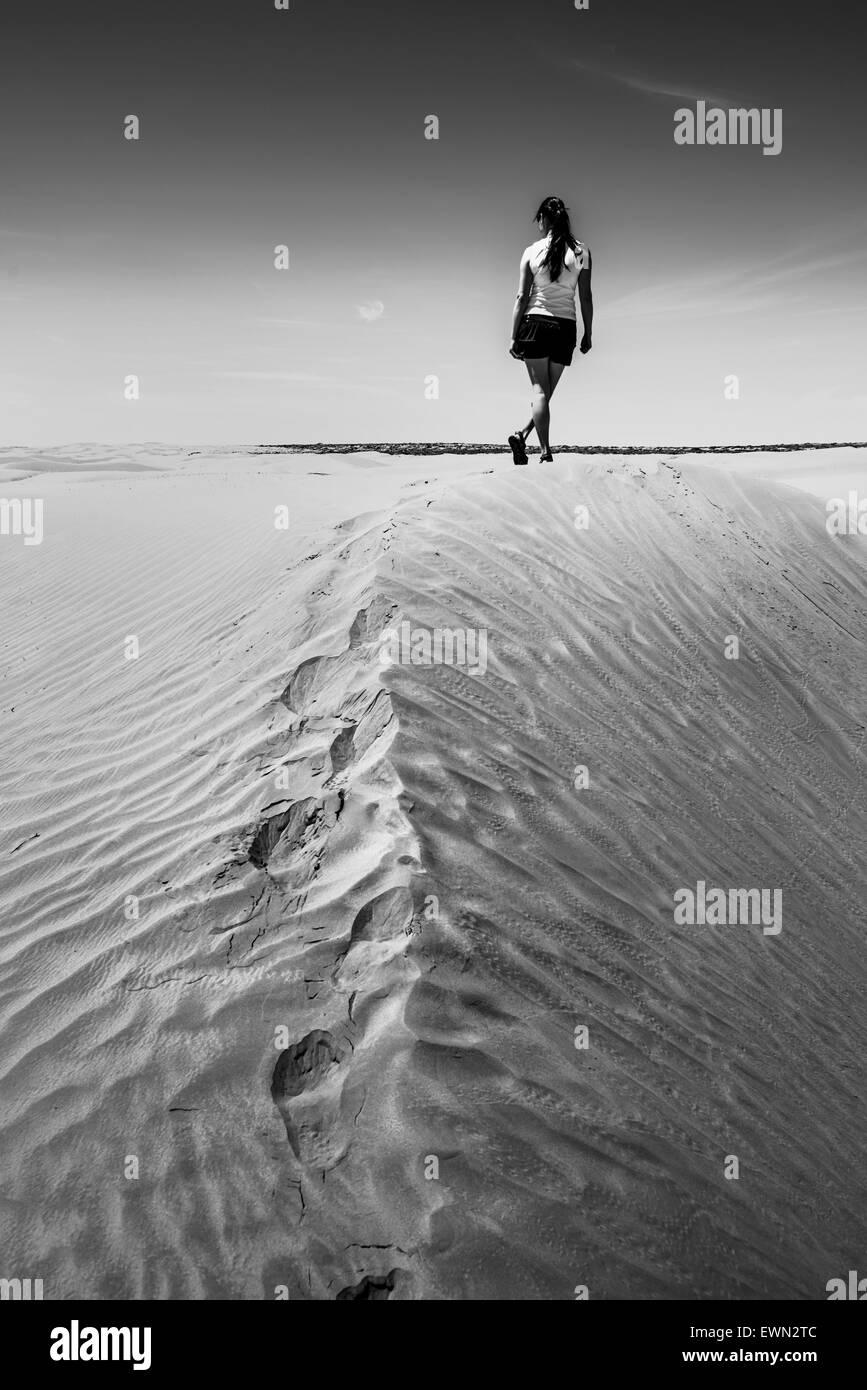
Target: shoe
[(519, 450)]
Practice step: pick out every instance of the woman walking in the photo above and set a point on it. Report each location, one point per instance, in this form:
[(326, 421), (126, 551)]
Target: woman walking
[(544, 324)]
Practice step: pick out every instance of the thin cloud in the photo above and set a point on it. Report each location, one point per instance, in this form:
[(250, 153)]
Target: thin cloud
[(373, 309), (269, 376), (316, 325), (348, 382), (652, 86), (737, 288), (28, 235)]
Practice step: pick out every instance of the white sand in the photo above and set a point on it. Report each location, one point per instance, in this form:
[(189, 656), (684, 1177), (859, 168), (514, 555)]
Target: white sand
[(300, 904)]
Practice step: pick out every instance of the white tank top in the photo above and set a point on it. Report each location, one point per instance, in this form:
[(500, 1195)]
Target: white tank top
[(555, 297)]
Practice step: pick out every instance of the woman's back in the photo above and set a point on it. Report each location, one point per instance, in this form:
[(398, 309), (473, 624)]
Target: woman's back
[(555, 297)]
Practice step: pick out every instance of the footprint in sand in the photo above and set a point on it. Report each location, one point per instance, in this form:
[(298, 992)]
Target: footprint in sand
[(306, 1088)]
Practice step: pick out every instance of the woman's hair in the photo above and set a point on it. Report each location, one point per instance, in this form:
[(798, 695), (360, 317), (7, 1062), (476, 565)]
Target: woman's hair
[(557, 214)]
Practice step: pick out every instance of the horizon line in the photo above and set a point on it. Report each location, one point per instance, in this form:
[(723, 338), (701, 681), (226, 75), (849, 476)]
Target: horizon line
[(421, 447)]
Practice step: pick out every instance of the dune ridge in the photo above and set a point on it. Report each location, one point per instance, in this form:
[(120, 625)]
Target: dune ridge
[(604, 1168)]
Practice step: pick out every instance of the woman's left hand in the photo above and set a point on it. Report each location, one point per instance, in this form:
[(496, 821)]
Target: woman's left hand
[(512, 353)]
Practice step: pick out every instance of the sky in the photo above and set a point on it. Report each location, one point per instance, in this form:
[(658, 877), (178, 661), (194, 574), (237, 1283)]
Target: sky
[(305, 127)]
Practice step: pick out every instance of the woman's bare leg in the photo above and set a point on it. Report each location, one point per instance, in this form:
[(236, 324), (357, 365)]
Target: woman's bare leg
[(537, 368), (555, 371)]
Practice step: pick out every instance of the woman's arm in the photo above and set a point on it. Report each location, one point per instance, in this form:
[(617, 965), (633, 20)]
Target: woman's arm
[(585, 299), (522, 298)]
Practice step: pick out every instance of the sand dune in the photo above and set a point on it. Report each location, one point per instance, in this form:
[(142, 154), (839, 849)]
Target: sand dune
[(338, 1035)]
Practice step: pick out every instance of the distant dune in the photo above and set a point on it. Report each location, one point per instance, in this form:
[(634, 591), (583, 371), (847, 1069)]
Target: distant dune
[(326, 972)]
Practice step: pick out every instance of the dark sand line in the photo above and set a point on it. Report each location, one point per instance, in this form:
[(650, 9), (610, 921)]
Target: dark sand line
[(454, 448)]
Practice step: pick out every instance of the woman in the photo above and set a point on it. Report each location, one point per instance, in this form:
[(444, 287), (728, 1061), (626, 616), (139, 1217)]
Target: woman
[(544, 328)]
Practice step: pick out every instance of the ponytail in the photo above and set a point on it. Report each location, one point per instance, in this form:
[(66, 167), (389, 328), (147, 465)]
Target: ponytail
[(557, 214)]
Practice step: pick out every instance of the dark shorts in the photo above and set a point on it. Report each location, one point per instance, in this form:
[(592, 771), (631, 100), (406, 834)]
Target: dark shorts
[(540, 335)]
